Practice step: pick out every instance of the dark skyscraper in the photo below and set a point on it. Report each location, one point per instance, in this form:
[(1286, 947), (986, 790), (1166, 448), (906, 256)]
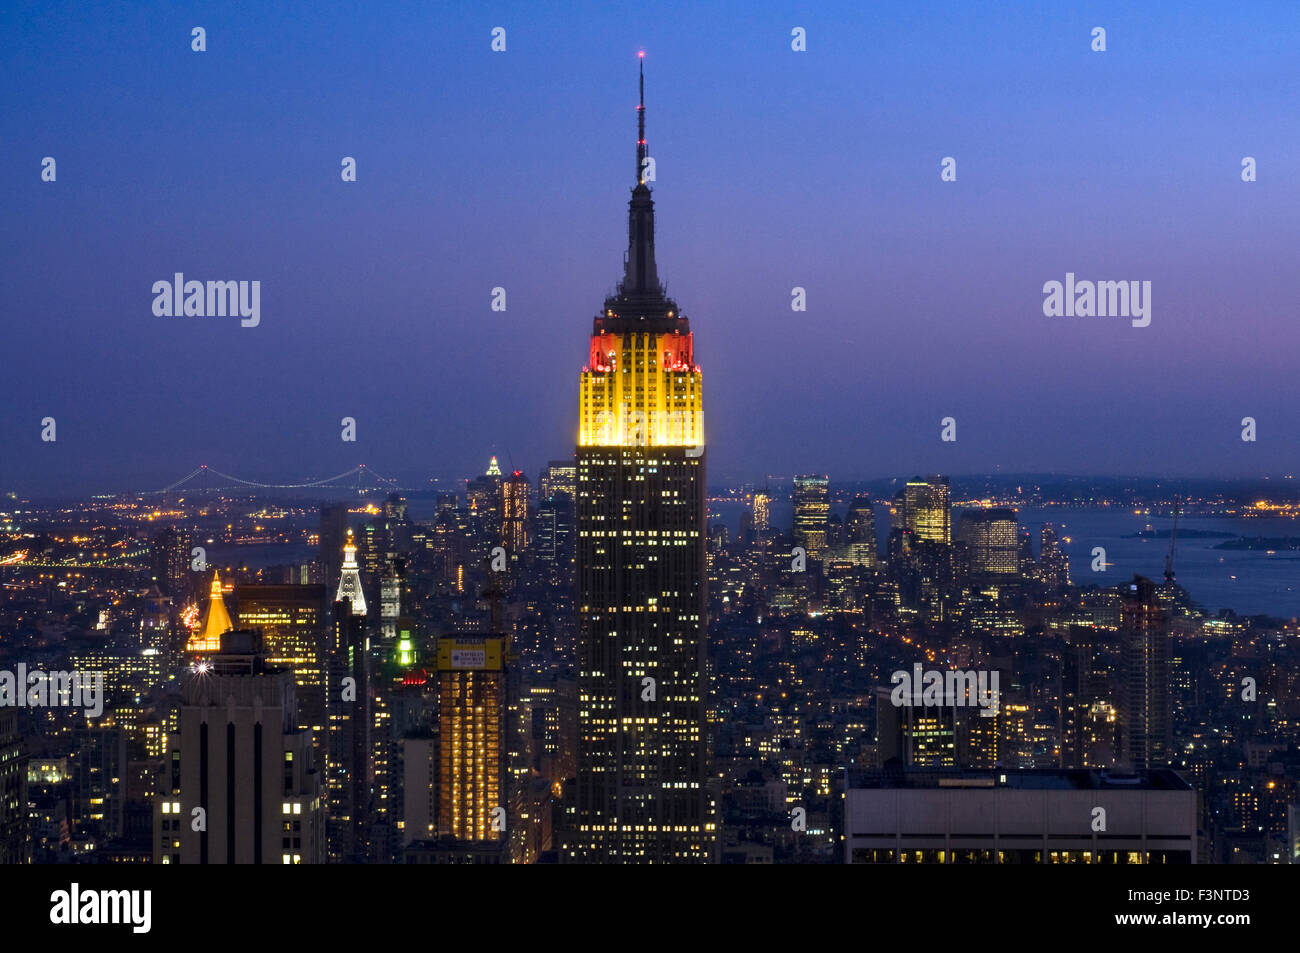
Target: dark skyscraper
[(860, 533), (13, 790), (292, 621), (641, 792), (171, 559), (514, 514), (1144, 644), (348, 771), (333, 534), (483, 497), (992, 537), (555, 513), (1053, 564), (240, 756)]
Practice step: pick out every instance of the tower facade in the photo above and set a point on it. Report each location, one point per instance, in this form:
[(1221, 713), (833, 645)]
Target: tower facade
[(13, 790), (641, 792), (170, 564), (860, 533), (291, 618), (471, 751), (993, 540), (927, 509), (811, 509), (1053, 563), (347, 749), (350, 589), (1144, 644), (240, 756), (514, 514)]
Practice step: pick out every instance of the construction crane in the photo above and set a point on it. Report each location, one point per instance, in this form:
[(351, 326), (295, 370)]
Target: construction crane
[(1169, 556)]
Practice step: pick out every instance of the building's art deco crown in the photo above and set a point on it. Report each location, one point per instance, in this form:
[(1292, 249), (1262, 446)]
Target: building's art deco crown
[(641, 386)]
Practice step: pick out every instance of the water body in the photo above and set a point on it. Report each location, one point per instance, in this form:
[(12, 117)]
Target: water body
[(1246, 581), (261, 555), (1249, 582)]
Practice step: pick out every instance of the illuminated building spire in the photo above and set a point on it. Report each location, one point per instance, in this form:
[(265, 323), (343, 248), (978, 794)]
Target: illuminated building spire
[(641, 150), (641, 386), (350, 580), (217, 622), (640, 276), (494, 469)]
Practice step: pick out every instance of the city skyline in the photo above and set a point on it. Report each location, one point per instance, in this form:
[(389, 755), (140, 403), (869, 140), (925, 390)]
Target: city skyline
[(983, 552), (413, 248)]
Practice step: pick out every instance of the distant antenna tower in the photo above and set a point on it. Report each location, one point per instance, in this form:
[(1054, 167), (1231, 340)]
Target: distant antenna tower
[(1173, 538)]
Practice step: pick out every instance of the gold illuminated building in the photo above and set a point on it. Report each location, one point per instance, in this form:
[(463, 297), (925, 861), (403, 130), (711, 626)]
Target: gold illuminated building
[(811, 510), (215, 624), (642, 793), (471, 721), (927, 509), (641, 390)]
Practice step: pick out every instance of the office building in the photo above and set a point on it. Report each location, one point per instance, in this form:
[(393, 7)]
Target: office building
[(348, 754), (860, 533), (241, 766), (643, 766), (1049, 816), (992, 539), (471, 738), (514, 514), (14, 845), (1144, 690), (292, 623), (811, 509), (927, 510)]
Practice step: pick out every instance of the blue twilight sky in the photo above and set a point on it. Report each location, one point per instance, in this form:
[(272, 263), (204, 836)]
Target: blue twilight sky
[(775, 169)]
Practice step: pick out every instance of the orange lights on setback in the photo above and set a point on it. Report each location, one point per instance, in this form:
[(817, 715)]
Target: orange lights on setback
[(641, 389)]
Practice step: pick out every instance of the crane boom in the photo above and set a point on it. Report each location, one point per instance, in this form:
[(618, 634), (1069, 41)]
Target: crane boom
[(1173, 538)]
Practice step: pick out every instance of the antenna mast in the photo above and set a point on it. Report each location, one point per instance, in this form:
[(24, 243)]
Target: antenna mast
[(1173, 538)]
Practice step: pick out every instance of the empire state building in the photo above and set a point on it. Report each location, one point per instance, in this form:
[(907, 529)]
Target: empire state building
[(642, 793)]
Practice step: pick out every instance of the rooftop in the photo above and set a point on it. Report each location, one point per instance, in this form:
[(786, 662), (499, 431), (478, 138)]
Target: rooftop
[(1085, 779)]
